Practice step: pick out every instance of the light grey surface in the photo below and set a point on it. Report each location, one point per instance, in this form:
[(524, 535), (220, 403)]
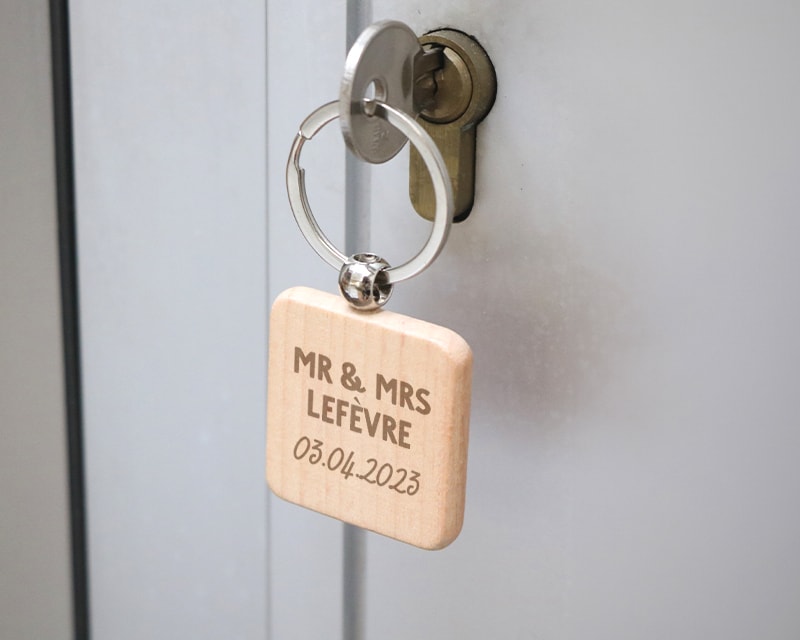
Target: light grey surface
[(35, 560), (170, 138), (306, 51), (628, 282)]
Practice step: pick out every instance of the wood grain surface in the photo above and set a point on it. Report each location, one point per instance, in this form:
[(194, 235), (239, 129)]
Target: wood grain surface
[(368, 417)]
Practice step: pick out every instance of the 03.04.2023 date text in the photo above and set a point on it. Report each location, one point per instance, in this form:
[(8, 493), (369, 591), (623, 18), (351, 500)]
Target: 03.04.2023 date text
[(405, 481)]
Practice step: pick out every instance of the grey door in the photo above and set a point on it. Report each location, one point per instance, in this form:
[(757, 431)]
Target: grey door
[(627, 281)]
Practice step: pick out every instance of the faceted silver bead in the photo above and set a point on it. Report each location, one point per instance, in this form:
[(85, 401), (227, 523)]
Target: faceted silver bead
[(363, 282)]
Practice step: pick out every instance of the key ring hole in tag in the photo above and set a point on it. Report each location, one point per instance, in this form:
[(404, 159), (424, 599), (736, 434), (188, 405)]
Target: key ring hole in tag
[(301, 209)]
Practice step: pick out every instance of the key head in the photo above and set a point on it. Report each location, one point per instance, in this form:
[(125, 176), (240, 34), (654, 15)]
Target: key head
[(380, 64)]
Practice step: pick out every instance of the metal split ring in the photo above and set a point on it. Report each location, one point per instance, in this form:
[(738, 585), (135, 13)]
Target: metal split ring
[(428, 151)]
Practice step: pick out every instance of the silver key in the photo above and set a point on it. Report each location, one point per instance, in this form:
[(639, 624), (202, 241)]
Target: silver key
[(380, 64)]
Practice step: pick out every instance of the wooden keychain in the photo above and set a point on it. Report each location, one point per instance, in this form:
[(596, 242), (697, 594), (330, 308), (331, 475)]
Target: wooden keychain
[(368, 410)]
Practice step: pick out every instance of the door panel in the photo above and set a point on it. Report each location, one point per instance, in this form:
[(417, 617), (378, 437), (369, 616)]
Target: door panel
[(170, 164), (306, 48), (627, 280)]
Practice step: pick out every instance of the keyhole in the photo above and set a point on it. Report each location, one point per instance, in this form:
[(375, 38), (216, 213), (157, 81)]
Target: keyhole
[(376, 90)]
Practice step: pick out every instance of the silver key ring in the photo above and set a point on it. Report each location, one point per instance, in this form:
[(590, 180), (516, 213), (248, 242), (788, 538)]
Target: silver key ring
[(428, 151)]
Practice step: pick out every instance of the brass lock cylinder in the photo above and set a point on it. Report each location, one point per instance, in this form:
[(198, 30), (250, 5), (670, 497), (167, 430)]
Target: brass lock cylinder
[(465, 90)]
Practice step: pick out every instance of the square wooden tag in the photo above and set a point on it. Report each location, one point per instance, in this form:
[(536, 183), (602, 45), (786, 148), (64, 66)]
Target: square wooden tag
[(368, 417)]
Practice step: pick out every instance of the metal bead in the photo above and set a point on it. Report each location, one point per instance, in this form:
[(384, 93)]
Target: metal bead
[(362, 281)]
